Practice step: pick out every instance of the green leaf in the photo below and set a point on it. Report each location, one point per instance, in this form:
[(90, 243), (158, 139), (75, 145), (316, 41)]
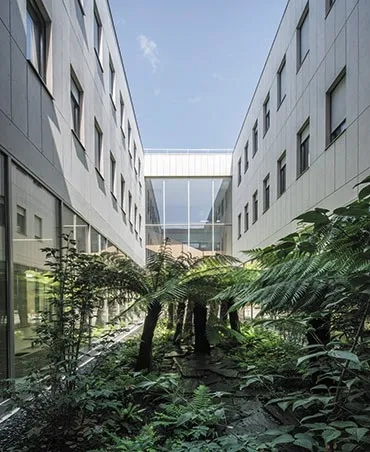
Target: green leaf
[(315, 217), (364, 181), (343, 354), (304, 440), (357, 433), (330, 435), (283, 439), (312, 355), (343, 424), (364, 193)]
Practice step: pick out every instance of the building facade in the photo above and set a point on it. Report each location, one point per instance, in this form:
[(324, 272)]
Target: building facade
[(305, 139), (71, 158)]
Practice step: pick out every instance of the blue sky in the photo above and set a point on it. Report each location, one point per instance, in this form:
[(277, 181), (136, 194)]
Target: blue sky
[(193, 65)]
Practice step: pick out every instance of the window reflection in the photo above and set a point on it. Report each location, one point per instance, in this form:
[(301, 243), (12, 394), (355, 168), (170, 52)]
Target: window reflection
[(3, 294), (30, 202), (193, 215)]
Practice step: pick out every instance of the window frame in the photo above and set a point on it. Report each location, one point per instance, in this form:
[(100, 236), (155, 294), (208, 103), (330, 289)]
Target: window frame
[(98, 133), (76, 102), (303, 146), (36, 219), (122, 112), (246, 160), (239, 171), (266, 114), (39, 17), (255, 207), (113, 175), (266, 193), (112, 82), (281, 169), (98, 26), (23, 229), (255, 138), (328, 6), (332, 135), (282, 68), (300, 57), (122, 193), (246, 217)]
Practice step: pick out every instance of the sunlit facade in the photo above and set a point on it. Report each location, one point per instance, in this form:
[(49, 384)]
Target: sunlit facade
[(71, 159)]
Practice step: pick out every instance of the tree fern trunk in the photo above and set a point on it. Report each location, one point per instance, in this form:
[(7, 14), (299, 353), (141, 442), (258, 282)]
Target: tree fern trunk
[(144, 359), (234, 318), (180, 314), (223, 311), (188, 325), (170, 320), (200, 323)]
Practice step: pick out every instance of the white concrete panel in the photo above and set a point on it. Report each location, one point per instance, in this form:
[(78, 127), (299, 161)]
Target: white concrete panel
[(4, 12), (34, 109), (5, 100), (19, 88), (18, 23), (364, 140)]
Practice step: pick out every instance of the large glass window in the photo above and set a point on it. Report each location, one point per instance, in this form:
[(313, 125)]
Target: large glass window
[(76, 228), (35, 226), (3, 278), (192, 215)]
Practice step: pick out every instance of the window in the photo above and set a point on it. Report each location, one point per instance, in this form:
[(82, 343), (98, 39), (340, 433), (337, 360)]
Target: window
[(140, 224), (239, 225), (135, 152), (329, 4), (130, 207), (246, 217), (21, 220), (38, 227), (255, 138), (112, 80), (266, 114), (76, 105), (281, 174), (112, 174), (239, 171), (97, 33), (129, 137), (336, 101), (255, 206), (123, 186), (303, 37), (122, 116), (98, 148), (303, 149), (36, 38), (246, 161), (266, 193), (281, 80), (139, 167), (135, 218)]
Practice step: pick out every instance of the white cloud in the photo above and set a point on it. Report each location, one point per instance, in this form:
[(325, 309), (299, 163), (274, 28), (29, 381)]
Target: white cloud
[(194, 100), (217, 76), (157, 92), (150, 51)]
